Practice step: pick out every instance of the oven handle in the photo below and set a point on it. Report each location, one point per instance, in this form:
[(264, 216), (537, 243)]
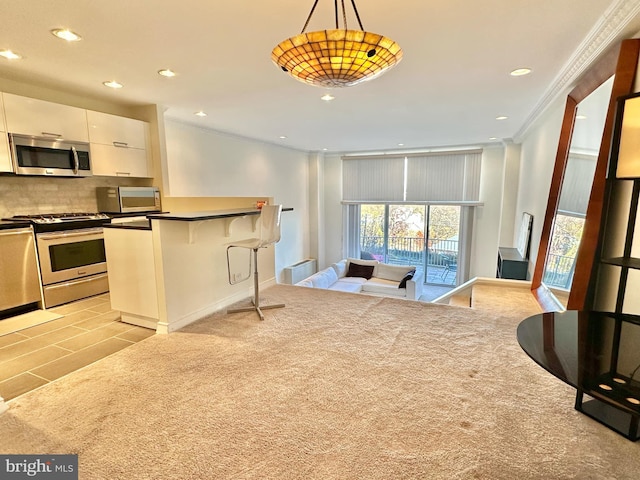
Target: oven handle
[(76, 161), (54, 236)]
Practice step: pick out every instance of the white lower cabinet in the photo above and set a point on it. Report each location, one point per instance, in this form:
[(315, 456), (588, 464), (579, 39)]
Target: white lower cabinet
[(112, 161), (132, 275)]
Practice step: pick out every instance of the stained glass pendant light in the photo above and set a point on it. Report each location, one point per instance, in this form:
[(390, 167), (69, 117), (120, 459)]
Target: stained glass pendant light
[(338, 57)]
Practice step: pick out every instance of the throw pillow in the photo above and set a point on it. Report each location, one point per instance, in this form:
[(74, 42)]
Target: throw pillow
[(359, 261), (407, 277), (362, 271)]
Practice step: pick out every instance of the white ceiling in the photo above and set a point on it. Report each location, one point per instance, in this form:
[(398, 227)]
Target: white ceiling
[(451, 84)]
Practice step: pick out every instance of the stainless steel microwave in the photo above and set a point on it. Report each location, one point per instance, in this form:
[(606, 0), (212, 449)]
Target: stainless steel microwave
[(128, 199), (46, 156)]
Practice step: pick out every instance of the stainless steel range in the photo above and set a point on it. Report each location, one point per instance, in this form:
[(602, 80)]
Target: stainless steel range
[(71, 255)]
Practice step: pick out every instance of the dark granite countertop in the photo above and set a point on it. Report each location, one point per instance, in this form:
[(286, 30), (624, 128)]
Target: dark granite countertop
[(133, 225), (208, 215), (9, 224)]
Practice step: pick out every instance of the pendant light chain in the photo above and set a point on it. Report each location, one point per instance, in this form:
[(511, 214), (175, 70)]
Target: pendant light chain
[(309, 17), (344, 15), (355, 9)]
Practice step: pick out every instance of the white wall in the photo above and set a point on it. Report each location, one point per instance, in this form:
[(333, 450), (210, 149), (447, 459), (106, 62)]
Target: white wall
[(333, 210), (510, 222), (205, 163), (487, 218), (538, 155)]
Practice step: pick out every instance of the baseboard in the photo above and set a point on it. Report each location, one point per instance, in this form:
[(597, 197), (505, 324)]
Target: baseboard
[(164, 327)]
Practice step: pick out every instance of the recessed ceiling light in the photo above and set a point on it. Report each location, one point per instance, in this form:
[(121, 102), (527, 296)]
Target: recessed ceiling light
[(167, 72), (200, 114), (501, 117), (283, 137), (112, 84), (9, 55), (401, 144), (519, 72), (581, 117), (493, 138), (327, 97), (66, 34), (325, 149)]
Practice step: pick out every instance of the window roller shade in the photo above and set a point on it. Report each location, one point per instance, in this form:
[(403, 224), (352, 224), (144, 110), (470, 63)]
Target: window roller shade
[(441, 177)]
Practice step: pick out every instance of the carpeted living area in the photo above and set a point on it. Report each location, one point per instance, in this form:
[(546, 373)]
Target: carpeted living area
[(334, 386)]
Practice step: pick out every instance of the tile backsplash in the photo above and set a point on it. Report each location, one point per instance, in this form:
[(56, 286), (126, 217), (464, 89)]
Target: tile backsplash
[(23, 195)]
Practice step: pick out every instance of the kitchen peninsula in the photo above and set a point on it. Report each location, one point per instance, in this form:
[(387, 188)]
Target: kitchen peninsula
[(172, 270)]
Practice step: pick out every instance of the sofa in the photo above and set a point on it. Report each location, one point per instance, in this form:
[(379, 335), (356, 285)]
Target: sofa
[(368, 276)]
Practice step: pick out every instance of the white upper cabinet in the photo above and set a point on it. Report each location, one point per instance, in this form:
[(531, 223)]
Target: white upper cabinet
[(118, 131), (29, 116), (119, 145), (110, 161), (5, 159)]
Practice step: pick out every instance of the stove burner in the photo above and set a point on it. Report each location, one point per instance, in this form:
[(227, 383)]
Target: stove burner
[(51, 222)]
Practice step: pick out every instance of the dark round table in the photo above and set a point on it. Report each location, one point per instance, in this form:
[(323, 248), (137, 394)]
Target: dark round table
[(598, 354)]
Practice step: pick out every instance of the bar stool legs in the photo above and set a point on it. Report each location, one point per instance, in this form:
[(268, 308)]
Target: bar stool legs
[(256, 294)]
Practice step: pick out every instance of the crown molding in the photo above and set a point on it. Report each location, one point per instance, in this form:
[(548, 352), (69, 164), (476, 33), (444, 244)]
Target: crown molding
[(603, 35)]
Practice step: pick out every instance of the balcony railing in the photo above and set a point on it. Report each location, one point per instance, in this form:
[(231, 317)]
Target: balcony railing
[(558, 271), (442, 257)]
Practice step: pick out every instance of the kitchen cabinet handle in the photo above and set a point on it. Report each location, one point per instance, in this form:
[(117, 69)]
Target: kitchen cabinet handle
[(49, 134), (120, 144), (123, 174)]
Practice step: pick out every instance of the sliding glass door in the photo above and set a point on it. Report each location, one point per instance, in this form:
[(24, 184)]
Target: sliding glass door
[(443, 245), (426, 236)]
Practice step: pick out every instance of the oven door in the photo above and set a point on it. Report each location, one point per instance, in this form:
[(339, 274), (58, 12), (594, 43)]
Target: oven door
[(71, 254)]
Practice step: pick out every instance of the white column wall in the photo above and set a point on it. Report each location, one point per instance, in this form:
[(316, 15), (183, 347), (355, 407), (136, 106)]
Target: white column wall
[(206, 163), (316, 207), (487, 218)]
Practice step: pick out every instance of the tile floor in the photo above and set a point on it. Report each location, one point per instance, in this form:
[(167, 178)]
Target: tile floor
[(87, 331)]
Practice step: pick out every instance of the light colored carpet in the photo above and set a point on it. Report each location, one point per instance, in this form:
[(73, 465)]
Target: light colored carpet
[(504, 300), (334, 386), (26, 320)]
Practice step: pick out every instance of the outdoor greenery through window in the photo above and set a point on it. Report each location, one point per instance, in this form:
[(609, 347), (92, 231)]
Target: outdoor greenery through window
[(561, 260), (426, 236)]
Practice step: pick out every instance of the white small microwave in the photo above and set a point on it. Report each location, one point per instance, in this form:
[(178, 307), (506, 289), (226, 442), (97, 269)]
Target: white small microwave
[(128, 199)]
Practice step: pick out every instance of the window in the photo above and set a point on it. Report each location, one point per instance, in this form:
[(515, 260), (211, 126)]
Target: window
[(413, 210), (561, 260), (427, 236)]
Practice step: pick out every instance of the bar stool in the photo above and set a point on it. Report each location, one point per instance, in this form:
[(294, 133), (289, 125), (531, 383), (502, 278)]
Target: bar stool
[(269, 234)]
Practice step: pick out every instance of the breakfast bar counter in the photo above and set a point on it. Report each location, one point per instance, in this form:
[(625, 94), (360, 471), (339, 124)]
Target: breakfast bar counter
[(175, 272), (205, 215)]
